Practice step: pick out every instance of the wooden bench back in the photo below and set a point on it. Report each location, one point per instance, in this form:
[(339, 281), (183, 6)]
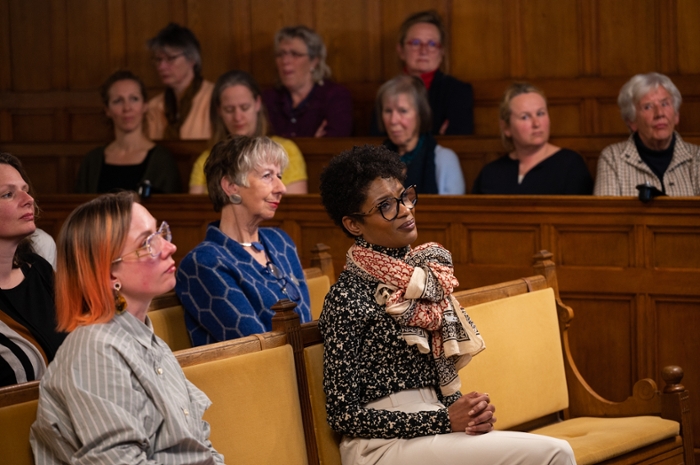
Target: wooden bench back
[(255, 415), (523, 349), (168, 316), (18, 404)]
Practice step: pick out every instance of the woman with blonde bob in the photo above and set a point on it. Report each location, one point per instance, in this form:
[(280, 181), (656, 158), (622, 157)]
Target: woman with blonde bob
[(532, 165), (115, 393)]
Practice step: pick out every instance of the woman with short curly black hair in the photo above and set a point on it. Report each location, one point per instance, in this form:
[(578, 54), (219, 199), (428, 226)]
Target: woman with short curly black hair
[(395, 337)]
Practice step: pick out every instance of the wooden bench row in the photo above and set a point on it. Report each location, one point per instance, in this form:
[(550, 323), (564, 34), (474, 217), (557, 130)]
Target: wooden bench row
[(53, 166), (279, 375)]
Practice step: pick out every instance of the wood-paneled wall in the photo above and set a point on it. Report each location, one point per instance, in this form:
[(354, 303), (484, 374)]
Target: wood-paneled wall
[(55, 53), (629, 270)]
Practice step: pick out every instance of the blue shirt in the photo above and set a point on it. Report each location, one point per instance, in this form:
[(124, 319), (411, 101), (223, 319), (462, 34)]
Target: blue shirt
[(227, 294)]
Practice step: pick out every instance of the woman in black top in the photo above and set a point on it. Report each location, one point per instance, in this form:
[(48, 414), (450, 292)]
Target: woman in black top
[(28, 336), (131, 158), (394, 337), (532, 165), (421, 47)]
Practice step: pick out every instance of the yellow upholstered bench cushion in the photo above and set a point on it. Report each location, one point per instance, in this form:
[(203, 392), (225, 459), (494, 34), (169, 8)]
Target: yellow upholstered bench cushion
[(327, 440), (522, 367), (169, 325), (597, 439), (255, 415), (15, 421), (318, 288)]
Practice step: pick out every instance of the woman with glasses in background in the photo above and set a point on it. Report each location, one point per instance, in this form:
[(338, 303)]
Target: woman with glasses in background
[(229, 282), (115, 392), (422, 48), (394, 336), (306, 103), (182, 111)]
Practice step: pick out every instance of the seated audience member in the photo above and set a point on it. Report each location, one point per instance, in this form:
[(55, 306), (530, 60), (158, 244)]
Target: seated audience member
[(387, 323), (532, 165), (403, 111), (131, 158), (28, 335), (236, 109), (115, 392), (229, 282), (182, 111), (654, 153), (305, 102), (421, 48)]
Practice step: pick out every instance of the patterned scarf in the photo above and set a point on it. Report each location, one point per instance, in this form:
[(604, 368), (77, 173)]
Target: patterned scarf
[(417, 293)]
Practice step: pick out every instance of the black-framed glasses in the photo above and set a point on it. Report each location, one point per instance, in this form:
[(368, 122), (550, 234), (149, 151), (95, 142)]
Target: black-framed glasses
[(389, 208), (153, 245), (289, 291)]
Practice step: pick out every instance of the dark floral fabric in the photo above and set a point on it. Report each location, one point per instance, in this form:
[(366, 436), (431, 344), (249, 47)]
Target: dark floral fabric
[(365, 358)]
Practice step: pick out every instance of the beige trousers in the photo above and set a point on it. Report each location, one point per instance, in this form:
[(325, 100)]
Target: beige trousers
[(496, 447)]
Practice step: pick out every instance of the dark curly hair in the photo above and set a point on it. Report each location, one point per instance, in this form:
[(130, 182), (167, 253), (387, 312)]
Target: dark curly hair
[(346, 179)]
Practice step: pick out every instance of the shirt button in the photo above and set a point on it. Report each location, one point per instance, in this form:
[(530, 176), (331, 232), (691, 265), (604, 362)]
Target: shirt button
[(159, 371), (294, 120), (186, 412)]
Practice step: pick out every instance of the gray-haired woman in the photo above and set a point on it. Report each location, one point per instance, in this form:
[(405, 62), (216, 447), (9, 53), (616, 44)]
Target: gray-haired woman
[(229, 282), (182, 111), (305, 103), (654, 154)]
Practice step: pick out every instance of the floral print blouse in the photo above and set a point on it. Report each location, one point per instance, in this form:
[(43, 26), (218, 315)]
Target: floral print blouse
[(365, 358)]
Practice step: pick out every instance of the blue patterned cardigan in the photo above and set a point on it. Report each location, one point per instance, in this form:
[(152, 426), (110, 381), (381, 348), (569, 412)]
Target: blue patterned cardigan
[(227, 294)]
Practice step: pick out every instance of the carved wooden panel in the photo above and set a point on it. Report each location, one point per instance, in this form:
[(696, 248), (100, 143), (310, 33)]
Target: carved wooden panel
[(542, 22), (482, 22), (593, 247), (628, 37), (511, 245), (675, 247), (688, 15), (603, 337), (676, 342)]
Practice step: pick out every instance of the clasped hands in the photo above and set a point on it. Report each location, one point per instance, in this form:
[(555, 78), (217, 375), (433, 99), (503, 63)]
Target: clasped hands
[(472, 413)]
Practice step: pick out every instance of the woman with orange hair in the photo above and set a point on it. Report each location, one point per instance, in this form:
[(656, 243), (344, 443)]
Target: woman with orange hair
[(115, 393)]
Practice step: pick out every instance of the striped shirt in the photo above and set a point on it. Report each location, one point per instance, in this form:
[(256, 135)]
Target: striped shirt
[(116, 394)]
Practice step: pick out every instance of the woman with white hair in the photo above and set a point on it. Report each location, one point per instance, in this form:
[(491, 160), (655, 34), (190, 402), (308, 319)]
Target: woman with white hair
[(654, 154), (306, 103)]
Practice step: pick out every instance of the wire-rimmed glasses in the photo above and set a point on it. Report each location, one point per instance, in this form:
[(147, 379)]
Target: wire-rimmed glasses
[(153, 245), (289, 291), (389, 208)]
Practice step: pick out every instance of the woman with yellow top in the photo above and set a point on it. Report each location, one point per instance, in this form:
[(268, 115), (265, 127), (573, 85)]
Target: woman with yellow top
[(237, 109)]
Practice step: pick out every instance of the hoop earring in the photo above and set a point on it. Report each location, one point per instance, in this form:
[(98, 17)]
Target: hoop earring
[(119, 300), (235, 199)]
